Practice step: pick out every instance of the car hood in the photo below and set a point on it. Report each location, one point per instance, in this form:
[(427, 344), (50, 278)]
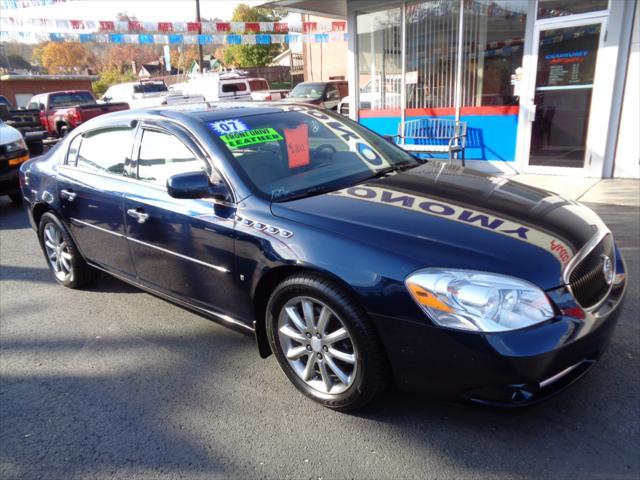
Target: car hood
[(8, 134), (446, 216)]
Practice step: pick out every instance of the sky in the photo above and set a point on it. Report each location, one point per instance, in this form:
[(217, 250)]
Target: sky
[(144, 10)]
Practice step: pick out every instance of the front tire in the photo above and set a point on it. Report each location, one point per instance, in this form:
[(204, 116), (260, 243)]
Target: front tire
[(62, 255), (325, 343)]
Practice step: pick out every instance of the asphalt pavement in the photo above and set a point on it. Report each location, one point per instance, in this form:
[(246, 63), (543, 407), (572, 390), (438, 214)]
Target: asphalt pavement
[(111, 382)]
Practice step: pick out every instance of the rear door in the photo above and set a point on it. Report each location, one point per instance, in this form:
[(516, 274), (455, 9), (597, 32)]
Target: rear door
[(90, 189), (182, 247)]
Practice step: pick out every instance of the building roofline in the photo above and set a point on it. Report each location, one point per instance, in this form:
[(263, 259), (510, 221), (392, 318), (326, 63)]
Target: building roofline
[(13, 76)]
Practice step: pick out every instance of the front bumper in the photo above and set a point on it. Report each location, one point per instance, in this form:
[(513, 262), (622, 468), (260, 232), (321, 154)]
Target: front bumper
[(9, 171), (515, 368)]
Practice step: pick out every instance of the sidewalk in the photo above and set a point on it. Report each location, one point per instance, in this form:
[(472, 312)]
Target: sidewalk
[(620, 191)]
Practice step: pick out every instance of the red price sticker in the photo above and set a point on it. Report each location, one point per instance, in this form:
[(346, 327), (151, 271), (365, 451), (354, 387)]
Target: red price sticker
[(297, 145)]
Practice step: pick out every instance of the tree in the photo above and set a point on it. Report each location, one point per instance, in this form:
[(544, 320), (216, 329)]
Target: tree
[(182, 58), (121, 57), (251, 55), (111, 76), (67, 57)]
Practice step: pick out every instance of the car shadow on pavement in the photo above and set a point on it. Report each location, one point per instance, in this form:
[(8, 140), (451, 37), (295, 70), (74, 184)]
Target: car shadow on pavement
[(115, 406), (12, 216)]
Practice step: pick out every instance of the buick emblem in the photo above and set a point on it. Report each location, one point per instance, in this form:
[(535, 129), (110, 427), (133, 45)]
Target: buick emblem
[(607, 269)]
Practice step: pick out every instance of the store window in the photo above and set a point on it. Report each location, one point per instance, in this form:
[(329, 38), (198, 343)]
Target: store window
[(432, 49), (380, 59), (561, 8)]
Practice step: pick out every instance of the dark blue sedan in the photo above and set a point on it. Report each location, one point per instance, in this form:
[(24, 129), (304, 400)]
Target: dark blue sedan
[(353, 262)]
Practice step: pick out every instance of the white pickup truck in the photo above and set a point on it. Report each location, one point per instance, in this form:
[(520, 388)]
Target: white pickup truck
[(228, 86), (146, 94)]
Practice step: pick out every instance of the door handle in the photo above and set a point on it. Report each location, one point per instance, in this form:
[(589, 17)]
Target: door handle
[(69, 195), (138, 214)]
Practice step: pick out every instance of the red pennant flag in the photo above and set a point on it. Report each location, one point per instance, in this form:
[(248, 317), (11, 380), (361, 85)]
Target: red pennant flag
[(338, 26), (107, 26), (76, 24), (309, 27), (165, 26), (280, 27), (193, 27), (252, 27), (223, 27), (135, 26)]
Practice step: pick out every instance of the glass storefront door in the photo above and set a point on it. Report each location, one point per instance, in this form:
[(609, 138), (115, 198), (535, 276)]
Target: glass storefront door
[(564, 79)]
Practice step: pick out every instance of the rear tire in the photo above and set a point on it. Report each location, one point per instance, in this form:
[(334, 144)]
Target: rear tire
[(62, 255), (325, 343)]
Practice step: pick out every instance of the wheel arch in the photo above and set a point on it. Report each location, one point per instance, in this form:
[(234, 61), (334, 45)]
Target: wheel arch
[(38, 210), (266, 285)]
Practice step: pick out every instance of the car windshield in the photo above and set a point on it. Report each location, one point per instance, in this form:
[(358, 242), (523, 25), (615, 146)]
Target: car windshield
[(68, 99), (303, 152), (308, 90), (4, 101), (150, 87)]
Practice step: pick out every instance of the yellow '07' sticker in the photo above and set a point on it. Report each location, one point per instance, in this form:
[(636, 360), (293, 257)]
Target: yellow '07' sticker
[(250, 137)]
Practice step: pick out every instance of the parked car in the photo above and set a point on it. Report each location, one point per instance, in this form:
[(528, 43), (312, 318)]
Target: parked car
[(61, 112), (146, 94), (261, 91), (350, 260), (27, 122), (13, 152), (225, 86), (323, 94)]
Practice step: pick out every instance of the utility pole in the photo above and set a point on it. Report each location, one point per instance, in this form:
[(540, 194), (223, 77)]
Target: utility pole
[(200, 58)]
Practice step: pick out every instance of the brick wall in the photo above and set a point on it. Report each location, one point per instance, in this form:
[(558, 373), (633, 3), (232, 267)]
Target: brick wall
[(9, 88)]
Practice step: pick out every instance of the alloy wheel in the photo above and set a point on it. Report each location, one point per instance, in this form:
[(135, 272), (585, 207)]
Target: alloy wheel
[(58, 252), (317, 345)]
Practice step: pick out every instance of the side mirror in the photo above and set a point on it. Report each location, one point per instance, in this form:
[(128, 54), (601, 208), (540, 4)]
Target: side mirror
[(196, 185)]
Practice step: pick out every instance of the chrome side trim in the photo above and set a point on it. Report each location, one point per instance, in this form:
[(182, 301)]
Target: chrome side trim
[(184, 257), (558, 375), (583, 252), (86, 224), (153, 291)]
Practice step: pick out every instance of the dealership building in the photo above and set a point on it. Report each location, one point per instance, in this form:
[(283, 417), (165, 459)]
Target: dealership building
[(546, 86)]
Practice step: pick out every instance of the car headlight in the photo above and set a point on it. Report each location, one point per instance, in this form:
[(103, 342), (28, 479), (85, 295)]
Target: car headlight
[(15, 146), (478, 301)]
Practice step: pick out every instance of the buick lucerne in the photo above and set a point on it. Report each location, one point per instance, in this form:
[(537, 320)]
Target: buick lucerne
[(353, 262)]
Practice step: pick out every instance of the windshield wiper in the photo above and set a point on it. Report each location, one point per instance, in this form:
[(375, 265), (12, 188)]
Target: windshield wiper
[(306, 193), (399, 167)]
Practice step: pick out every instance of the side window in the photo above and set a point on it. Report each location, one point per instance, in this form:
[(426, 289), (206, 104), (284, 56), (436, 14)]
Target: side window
[(72, 155), (106, 151), (333, 93), (234, 87), (163, 155)]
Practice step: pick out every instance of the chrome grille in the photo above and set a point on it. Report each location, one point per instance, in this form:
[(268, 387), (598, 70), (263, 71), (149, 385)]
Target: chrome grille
[(587, 280)]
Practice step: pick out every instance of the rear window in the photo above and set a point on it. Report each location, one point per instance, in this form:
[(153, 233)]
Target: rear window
[(150, 88), (68, 99), (234, 87), (257, 85)]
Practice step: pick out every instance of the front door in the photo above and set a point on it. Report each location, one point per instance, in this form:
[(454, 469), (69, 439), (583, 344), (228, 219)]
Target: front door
[(561, 93), (180, 247)]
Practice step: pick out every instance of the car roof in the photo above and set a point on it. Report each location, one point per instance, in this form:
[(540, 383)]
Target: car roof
[(202, 112)]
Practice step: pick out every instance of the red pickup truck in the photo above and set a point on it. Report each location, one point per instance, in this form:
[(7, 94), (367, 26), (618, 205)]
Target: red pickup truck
[(61, 112)]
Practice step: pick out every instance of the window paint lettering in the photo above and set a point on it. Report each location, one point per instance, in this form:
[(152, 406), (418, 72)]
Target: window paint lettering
[(436, 208), (362, 192), (250, 137)]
